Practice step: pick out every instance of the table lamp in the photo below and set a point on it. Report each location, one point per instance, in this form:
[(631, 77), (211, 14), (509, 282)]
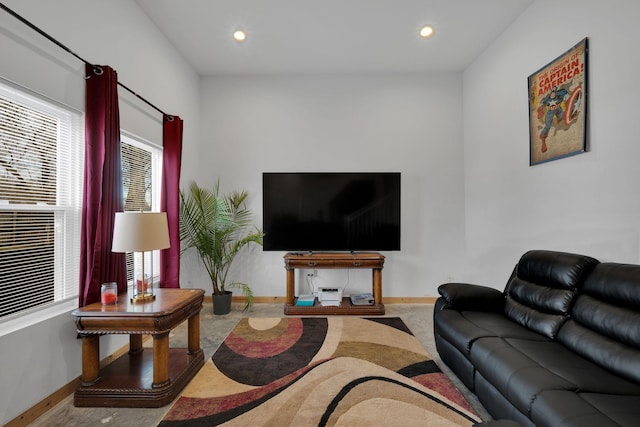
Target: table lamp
[(140, 232)]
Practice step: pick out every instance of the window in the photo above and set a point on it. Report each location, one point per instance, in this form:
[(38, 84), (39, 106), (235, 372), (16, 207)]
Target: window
[(41, 153), (41, 158), (141, 166)]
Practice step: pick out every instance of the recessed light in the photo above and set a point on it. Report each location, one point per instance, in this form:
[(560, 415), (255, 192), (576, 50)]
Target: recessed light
[(426, 31), (239, 35)]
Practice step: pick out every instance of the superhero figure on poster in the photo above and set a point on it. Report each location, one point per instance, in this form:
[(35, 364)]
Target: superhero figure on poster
[(553, 104)]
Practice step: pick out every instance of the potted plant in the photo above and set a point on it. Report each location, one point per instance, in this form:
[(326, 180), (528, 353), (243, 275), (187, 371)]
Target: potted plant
[(216, 226)]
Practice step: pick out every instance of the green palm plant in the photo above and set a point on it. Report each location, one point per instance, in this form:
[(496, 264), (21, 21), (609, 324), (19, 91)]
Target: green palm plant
[(216, 226)]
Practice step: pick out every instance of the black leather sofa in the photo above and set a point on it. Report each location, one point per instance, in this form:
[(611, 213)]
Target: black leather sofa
[(559, 347)]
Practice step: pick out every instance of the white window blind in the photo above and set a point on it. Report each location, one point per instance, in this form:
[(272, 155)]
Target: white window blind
[(41, 153), (141, 174)]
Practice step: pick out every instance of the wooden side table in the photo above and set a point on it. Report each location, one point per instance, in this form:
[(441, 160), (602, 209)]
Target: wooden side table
[(143, 377)]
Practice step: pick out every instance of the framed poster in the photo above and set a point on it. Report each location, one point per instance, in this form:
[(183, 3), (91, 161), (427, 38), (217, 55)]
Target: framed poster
[(558, 107)]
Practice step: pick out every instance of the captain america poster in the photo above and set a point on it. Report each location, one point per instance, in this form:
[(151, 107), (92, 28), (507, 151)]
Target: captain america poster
[(558, 107)]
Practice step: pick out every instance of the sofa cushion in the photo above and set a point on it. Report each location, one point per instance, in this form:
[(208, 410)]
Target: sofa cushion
[(543, 287), (605, 324), (624, 410), (462, 328), (496, 404), (618, 323), (547, 324), (556, 408), (522, 369), (585, 375), (514, 374), (616, 284), (553, 269), (619, 358)]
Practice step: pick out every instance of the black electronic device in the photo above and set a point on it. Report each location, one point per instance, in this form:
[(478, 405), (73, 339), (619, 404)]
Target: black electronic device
[(331, 211)]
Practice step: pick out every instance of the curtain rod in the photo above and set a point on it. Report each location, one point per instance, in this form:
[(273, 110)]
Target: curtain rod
[(66, 49)]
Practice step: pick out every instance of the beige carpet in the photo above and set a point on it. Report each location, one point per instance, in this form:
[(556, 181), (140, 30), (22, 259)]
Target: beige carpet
[(320, 371)]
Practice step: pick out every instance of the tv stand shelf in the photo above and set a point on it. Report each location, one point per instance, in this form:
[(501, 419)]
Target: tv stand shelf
[(319, 260)]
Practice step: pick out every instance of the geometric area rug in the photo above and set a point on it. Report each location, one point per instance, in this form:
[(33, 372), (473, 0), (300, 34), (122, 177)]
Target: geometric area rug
[(336, 371)]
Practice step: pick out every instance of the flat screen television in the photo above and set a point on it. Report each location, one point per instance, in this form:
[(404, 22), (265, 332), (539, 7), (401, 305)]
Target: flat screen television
[(331, 211)]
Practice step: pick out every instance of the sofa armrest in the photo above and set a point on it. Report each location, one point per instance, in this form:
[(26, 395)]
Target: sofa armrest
[(464, 296)]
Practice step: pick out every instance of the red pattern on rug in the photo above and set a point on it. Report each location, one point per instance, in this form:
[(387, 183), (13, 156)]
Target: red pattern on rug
[(274, 345), (440, 383)]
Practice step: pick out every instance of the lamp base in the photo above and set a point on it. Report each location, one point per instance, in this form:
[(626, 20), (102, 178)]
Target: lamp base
[(142, 298)]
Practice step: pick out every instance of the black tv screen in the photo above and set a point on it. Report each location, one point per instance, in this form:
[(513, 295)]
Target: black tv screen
[(331, 211)]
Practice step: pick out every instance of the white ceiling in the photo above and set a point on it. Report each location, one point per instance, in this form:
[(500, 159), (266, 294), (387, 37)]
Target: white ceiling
[(331, 36)]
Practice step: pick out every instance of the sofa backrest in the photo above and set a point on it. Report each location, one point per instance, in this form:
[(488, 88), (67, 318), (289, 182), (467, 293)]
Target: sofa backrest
[(605, 320), (543, 287)]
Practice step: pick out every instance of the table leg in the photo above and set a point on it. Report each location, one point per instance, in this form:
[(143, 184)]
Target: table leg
[(290, 285), (135, 343), (90, 359), (160, 360), (193, 333), (377, 285)]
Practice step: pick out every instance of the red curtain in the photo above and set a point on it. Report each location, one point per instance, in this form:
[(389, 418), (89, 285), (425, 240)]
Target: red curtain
[(170, 199), (103, 194)]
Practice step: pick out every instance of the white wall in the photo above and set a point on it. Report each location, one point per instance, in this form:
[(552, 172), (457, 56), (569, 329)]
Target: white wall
[(397, 122), (39, 359), (588, 203), (471, 203)]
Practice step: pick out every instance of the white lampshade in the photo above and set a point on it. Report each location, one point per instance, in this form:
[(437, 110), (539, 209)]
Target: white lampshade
[(140, 232)]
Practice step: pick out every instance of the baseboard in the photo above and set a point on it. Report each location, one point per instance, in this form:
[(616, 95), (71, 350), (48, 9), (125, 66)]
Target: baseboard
[(385, 300), (31, 414), (409, 300)]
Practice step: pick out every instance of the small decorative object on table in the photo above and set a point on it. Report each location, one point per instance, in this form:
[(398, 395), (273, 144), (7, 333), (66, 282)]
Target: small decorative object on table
[(306, 300), (109, 293), (144, 287), (362, 299)]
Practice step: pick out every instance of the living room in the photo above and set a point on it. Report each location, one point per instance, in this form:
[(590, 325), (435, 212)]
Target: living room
[(471, 202)]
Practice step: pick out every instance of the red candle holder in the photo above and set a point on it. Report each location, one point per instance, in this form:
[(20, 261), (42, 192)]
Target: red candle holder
[(109, 293)]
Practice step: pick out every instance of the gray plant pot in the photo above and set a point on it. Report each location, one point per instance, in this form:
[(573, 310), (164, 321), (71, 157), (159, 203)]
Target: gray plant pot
[(222, 303)]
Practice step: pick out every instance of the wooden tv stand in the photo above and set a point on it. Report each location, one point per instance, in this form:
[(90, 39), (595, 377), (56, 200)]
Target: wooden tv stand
[(372, 260)]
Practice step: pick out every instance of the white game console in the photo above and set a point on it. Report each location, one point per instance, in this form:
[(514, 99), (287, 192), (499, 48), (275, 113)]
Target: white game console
[(330, 296)]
